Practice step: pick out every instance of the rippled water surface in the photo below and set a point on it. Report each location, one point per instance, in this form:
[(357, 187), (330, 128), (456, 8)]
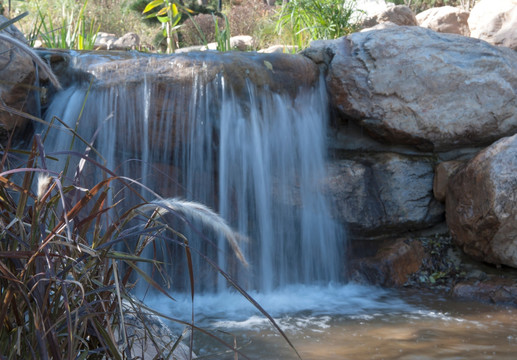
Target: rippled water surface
[(352, 322)]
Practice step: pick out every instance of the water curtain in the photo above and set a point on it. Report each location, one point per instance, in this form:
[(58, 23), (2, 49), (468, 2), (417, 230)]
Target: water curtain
[(248, 148)]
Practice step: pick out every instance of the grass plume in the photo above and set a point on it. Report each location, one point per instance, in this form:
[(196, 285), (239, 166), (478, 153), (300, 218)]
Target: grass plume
[(206, 216)]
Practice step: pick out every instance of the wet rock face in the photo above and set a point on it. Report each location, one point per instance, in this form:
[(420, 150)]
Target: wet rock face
[(413, 86), (17, 75), (282, 73), (391, 266), (182, 77), (481, 204), (383, 194), (495, 290)]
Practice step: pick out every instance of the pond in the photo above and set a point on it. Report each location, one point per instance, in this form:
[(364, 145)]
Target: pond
[(352, 322)]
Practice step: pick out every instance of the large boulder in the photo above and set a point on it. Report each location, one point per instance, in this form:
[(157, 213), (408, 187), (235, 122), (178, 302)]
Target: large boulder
[(383, 194), (495, 21), (410, 85), (481, 204), (17, 79), (445, 19)]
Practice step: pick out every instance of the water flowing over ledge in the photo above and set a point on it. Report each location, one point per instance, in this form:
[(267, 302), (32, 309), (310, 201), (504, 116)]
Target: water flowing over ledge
[(228, 131)]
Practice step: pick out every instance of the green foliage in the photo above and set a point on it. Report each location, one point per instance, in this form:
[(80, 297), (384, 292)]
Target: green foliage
[(420, 5), (308, 20), (209, 8), (74, 31), (222, 34), (169, 14), (397, 2), (139, 6)]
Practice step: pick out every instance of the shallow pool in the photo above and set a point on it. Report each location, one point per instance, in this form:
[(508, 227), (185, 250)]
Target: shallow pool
[(350, 322)]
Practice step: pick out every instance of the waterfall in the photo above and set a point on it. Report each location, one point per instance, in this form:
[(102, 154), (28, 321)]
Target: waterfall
[(255, 156)]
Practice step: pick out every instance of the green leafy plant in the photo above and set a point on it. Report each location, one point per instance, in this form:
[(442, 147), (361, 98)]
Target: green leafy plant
[(75, 32), (222, 34), (309, 20), (169, 14)]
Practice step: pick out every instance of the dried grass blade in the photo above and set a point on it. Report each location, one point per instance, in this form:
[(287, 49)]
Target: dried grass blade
[(149, 279), (27, 181)]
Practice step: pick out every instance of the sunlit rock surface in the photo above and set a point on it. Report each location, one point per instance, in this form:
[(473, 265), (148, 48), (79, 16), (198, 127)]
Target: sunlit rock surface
[(399, 15), (495, 21), (413, 86), (445, 19), (481, 204)]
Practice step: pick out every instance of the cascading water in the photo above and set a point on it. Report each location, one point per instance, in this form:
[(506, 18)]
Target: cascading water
[(255, 156)]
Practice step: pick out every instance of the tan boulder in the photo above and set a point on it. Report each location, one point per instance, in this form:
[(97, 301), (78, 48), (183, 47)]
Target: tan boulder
[(495, 21), (445, 19), (104, 41), (400, 15), (481, 204), (278, 72), (129, 41)]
